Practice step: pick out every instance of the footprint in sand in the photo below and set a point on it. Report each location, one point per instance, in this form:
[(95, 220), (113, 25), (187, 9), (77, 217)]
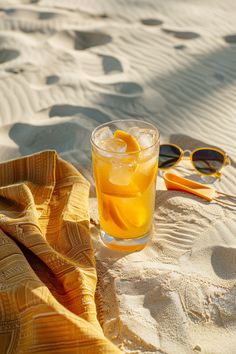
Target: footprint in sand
[(182, 34), (15, 70), (9, 11), (122, 98), (99, 64), (47, 15), (127, 89), (8, 54), (67, 110), (86, 40), (110, 64), (230, 39), (52, 79), (223, 260), (79, 40), (31, 14), (180, 47), (151, 22), (36, 81)]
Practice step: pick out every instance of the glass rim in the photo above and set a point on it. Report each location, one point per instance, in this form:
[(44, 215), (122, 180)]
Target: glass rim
[(124, 120)]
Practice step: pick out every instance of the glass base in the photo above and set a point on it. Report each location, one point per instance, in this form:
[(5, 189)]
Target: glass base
[(124, 244)]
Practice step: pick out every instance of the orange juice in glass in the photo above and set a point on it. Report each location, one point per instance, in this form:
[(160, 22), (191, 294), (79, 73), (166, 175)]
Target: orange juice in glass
[(125, 161)]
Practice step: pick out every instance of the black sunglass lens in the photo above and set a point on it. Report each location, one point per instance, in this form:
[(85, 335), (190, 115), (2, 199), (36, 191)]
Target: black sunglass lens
[(168, 156), (208, 161)]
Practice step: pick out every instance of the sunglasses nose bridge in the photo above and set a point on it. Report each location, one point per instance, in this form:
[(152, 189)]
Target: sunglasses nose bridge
[(186, 154)]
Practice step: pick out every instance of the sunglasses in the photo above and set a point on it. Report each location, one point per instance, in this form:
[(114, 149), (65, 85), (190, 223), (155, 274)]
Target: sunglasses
[(206, 161)]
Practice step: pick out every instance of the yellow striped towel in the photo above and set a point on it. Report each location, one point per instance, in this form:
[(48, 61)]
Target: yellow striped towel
[(47, 266)]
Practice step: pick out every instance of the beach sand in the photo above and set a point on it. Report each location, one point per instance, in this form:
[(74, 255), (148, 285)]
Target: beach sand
[(67, 66)]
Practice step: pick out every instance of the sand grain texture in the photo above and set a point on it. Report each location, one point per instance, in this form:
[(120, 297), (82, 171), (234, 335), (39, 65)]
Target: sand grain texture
[(67, 66)]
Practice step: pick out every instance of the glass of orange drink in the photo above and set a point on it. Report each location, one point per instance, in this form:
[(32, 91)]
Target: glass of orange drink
[(125, 162)]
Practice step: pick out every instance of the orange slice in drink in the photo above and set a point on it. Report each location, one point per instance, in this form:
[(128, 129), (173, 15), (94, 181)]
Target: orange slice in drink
[(130, 191), (132, 147), (131, 141), (117, 217), (137, 217)]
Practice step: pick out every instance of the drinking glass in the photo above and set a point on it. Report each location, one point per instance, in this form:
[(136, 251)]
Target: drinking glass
[(125, 183)]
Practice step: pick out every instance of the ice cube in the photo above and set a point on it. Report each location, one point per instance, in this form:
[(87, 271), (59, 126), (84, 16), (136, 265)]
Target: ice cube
[(134, 131), (114, 145), (121, 174), (146, 138), (103, 134)]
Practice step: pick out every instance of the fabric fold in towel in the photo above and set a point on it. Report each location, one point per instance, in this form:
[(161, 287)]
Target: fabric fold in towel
[(47, 265)]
